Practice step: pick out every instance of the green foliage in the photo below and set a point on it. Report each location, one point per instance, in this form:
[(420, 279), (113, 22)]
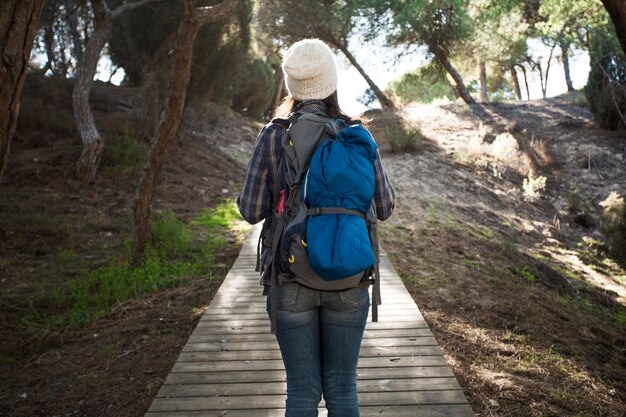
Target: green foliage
[(170, 236), (500, 32), (225, 215), (606, 85), (224, 68), (568, 21), (137, 35), (171, 258), (614, 225), (436, 24), (288, 21), (402, 137), (67, 256), (221, 58), (123, 154), (427, 83), (368, 97), (46, 105), (256, 92), (620, 317), (526, 274)]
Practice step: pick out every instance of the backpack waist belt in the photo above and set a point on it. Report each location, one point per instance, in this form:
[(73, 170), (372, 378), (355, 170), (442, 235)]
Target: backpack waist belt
[(316, 211)]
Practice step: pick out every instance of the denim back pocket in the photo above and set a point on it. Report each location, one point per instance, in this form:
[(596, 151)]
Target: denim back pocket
[(355, 297), (287, 294)]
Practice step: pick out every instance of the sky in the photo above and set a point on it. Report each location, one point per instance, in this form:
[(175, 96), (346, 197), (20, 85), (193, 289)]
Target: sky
[(382, 67)]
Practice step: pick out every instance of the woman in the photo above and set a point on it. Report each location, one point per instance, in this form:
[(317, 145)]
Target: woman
[(319, 332)]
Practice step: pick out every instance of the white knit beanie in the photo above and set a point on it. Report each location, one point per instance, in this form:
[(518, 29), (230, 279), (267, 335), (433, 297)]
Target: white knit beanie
[(310, 70)]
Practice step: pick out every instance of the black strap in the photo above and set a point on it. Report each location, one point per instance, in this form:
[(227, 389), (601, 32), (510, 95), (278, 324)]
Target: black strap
[(316, 211), (257, 268)]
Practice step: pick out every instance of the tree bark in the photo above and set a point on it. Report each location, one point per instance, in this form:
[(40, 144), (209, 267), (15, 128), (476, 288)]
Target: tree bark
[(516, 87), (458, 80), (544, 88), (523, 68), (169, 125), (617, 11), (565, 55), (72, 23), (19, 21), (384, 101), (89, 160), (87, 164), (483, 82), (278, 95)]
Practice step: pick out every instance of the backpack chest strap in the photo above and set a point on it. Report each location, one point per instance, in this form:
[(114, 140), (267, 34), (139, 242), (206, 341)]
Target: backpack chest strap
[(316, 211)]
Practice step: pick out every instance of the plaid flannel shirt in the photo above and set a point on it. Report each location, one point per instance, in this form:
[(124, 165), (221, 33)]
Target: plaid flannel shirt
[(255, 201)]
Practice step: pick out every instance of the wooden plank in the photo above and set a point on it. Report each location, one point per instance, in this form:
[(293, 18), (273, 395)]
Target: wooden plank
[(258, 402), (259, 326), (429, 410), (246, 316), (197, 362), (224, 344), (231, 365), (202, 336), (278, 376), (280, 388), (378, 351)]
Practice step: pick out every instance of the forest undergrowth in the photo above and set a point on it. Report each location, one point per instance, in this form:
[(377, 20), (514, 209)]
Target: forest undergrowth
[(512, 272)]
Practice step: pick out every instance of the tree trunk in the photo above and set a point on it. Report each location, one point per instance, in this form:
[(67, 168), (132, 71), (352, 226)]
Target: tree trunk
[(483, 82), (384, 101), (87, 164), (48, 41), (516, 87), (169, 125), (92, 142), (19, 21), (523, 68), (72, 23), (278, 95), (544, 88), (617, 11), (460, 85), (565, 55)]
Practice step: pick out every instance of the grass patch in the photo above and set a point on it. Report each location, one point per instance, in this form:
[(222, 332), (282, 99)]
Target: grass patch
[(171, 237), (402, 137), (619, 317), (526, 274), (482, 233), (123, 154), (515, 336), (66, 257), (171, 258)]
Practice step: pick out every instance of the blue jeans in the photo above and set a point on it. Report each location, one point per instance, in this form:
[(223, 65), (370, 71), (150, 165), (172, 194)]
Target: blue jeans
[(319, 334)]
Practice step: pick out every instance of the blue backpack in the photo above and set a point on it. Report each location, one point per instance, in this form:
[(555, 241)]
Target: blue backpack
[(323, 233)]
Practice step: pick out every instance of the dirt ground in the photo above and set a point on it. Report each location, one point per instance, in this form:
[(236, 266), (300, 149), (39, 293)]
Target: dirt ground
[(527, 314), (115, 366), (527, 308)]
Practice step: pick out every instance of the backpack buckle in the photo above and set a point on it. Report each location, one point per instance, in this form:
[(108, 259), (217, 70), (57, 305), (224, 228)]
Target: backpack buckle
[(317, 211)]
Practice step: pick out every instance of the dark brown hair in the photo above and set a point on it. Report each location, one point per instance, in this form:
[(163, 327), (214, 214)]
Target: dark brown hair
[(288, 104)]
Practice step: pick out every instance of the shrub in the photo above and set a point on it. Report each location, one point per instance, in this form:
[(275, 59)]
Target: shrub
[(606, 85), (402, 137), (123, 154), (532, 186), (424, 85), (170, 236), (614, 225)]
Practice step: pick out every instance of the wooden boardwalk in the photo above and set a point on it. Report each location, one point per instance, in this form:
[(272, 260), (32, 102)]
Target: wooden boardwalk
[(231, 365)]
